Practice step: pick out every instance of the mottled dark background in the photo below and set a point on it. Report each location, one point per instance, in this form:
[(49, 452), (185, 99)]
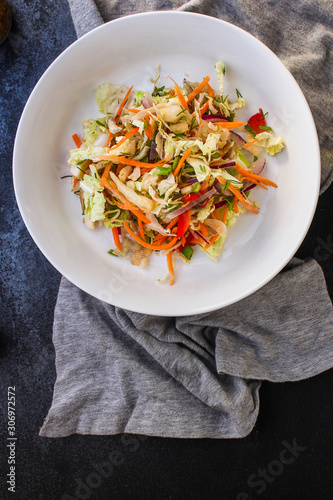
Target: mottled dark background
[(133, 468)]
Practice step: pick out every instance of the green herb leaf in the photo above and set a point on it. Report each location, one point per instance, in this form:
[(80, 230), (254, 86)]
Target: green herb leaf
[(262, 127), (193, 124), (112, 252), (162, 171), (238, 93), (175, 163), (182, 111), (250, 129), (226, 185), (187, 252), (64, 176)]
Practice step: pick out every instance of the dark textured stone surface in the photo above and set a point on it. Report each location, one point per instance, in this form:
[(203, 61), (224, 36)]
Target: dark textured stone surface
[(108, 467)]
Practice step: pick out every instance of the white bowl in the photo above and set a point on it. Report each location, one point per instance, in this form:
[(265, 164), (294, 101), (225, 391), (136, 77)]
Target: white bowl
[(128, 50)]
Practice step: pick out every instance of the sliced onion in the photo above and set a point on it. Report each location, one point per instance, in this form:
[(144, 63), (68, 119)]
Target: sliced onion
[(238, 140), (188, 86), (251, 186), (215, 118), (217, 225), (224, 165), (191, 204), (192, 181), (147, 100), (226, 192), (220, 204), (153, 151), (196, 233), (258, 166)]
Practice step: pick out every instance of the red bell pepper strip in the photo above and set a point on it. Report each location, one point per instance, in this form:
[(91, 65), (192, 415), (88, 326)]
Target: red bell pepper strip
[(191, 196), (183, 223)]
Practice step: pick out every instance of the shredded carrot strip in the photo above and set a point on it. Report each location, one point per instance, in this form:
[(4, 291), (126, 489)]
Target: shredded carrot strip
[(105, 173), (211, 241), (179, 93), (77, 141), (216, 214), (254, 177), (204, 108), (170, 267), (126, 205), (235, 205), (75, 181), (183, 240), (109, 139), (230, 125), (198, 89), (172, 223), (148, 130), (182, 161), (247, 145), (134, 163), (141, 231), (205, 186), (148, 245), (239, 196), (120, 166), (197, 241), (116, 238), (119, 205), (224, 217), (123, 104), (129, 134), (204, 231), (159, 238), (133, 110), (210, 90), (254, 182)]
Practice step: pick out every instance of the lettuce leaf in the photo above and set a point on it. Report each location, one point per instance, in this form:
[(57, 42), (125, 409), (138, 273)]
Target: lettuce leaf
[(109, 97), (206, 211), (86, 153), (220, 72), (94, 201), (109, 224), (214, 250), (271, 144), (139, 94), (92, 129), (202, 170)]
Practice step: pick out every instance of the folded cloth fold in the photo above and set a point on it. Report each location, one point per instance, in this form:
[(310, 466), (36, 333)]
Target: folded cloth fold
[(188, 377), (199, 376)]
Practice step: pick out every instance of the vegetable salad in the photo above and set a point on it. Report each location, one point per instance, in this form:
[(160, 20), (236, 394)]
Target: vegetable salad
[(171, 170)]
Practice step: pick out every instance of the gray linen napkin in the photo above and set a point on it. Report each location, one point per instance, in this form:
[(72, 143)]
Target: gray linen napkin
[(199, 376), (188, 377)]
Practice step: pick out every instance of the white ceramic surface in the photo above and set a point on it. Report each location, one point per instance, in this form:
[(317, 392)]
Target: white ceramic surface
[(128, 51)]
